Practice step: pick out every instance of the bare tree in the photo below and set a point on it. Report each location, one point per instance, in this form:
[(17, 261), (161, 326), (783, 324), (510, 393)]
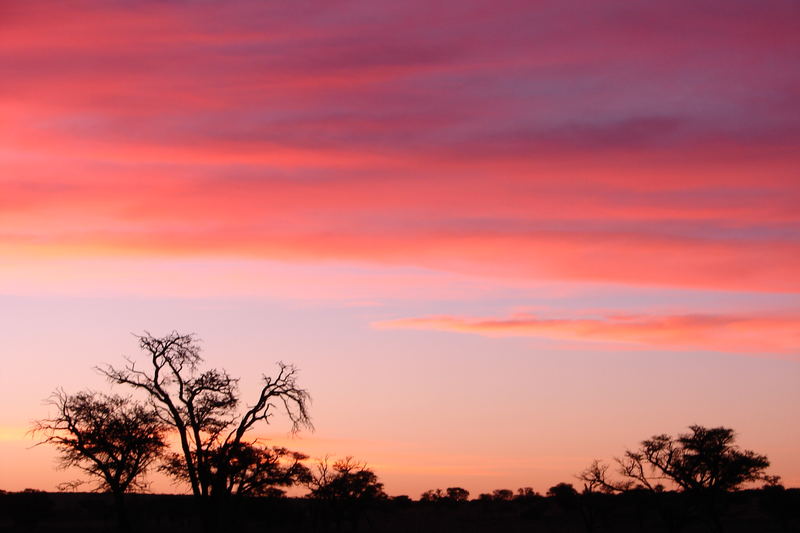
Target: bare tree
[(595, 479), (203, 407), (111, 438)]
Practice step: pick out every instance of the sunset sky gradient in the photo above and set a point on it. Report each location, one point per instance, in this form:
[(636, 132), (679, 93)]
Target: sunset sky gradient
[(499, 239)]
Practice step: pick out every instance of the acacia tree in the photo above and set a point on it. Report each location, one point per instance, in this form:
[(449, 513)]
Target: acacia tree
[(249, 470), (203, 407), (347, 488), (703, 463), (111, 438), (706, 459), (345, 480)]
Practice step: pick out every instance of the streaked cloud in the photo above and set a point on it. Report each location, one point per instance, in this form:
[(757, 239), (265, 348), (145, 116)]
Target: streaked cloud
[(755, 335), (463, 139)]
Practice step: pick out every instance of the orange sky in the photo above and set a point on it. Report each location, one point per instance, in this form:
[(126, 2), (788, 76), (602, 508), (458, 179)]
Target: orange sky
[(498, 243)]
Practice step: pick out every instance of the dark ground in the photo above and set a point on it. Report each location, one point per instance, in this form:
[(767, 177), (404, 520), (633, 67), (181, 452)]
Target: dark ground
[(757, 511)]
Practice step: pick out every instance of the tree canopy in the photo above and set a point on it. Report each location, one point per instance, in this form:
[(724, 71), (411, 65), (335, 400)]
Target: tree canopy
[(704, 459), (111, 438), (203, 407)]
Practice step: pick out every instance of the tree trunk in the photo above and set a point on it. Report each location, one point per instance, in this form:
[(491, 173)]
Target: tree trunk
[(123, 524), (209, 513)]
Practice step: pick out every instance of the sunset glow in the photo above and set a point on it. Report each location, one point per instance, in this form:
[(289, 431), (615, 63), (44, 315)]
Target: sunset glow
[(499, 241)]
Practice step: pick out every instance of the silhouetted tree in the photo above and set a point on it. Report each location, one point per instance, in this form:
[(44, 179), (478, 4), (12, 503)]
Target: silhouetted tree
[(703, 463), (249, 470), (595, 478), (524, 493), (531, 502), (111, 438), (564, 494), (347, 486), (203, 408), (707, 459), (503, 495), (346, 479), (457, 494), (593, 498), (432, 495), (402, 499), (451, 494)]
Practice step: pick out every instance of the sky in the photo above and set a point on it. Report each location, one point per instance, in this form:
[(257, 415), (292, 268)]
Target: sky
[(499, 240)]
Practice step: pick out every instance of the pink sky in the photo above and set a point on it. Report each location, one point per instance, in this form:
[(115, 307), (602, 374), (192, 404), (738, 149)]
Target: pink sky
[(499, 243)]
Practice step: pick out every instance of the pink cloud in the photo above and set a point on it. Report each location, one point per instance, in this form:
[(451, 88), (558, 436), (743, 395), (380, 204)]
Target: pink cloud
[(636, 258), (777, 335), (463, 138)]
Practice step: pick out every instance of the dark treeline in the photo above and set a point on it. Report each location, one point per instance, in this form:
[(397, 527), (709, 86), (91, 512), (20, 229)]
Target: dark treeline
[(697, 481), (771, 509)]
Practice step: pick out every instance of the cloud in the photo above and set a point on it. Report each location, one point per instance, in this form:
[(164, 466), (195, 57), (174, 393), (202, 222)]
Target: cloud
[(776, 335), (636, 144)]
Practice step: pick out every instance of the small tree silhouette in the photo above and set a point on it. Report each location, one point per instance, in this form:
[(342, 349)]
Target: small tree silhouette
[(450, 495), (432, 495), (457, 494), (111, 438), (346, 479), (348, 488), (504, 495), (564, 494)]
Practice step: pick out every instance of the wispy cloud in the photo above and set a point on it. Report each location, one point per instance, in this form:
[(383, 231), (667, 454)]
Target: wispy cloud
[(779, 335)]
